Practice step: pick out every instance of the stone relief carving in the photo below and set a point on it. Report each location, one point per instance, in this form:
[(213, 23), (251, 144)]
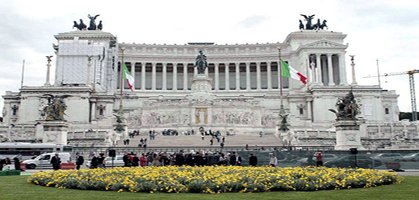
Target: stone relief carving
[(243, 118), (270, 120), (51, 137), (155, 118)]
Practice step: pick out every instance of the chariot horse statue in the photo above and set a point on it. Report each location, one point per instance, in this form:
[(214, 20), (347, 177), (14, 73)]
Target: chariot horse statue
[(92, 25)]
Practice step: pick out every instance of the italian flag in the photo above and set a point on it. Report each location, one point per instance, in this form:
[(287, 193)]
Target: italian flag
[(290, 72), (127, 75)]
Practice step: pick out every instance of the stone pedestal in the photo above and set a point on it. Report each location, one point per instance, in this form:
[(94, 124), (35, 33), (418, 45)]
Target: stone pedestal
[(201, 83), (348, 135), (55, 132), (201, 98)]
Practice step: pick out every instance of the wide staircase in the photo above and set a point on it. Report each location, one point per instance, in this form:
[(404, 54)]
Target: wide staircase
[(252, 140)]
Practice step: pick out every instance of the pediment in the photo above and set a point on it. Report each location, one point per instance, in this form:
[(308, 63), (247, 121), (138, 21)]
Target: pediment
[(324, 44)]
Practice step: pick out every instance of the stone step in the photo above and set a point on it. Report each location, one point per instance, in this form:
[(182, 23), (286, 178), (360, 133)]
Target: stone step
[(196, 140)]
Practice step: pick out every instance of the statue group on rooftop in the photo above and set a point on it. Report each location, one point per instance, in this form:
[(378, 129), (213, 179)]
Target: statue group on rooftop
[(310, 26), (92, 24)]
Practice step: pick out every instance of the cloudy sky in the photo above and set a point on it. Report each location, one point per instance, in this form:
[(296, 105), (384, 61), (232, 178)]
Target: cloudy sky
[(386, 30)]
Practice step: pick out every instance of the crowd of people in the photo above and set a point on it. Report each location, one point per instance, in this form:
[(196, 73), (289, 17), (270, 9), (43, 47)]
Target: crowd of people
[(180, 158), (7, 161)]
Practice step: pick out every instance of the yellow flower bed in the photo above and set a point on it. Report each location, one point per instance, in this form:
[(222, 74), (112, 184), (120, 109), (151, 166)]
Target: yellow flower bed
[(214, 179)]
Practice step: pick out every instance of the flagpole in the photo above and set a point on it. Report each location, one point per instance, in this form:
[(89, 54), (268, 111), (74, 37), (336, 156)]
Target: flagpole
[(283, 125), (121, 81)]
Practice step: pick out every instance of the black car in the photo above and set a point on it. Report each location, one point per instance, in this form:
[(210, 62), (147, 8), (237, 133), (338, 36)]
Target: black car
[(362, 161)]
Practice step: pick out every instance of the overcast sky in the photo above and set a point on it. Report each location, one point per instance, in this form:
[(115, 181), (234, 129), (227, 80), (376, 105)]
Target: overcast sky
[(377, 29)]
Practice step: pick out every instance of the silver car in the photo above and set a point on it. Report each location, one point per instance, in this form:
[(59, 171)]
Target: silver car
[(117, 162)]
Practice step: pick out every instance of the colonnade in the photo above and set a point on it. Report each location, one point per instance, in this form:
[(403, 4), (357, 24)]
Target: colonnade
[(225, 76), (323, 69)]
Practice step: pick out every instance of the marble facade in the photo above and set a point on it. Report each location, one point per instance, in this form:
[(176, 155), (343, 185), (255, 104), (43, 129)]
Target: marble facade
[(241, 93)]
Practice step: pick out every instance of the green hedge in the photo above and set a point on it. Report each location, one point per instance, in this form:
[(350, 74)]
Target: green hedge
[(10, 173)]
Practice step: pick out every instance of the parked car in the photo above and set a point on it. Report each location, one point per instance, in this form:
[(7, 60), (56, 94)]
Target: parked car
[(118, 162), (388, 157), (413, 157), (44, 160), (326, 157), (362, 161)]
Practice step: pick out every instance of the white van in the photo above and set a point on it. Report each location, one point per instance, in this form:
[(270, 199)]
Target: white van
[(44, 160)]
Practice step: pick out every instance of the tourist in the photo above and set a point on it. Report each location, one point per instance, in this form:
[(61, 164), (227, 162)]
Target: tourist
[(79, 160), (2, 163), (253, 160), (101, 160), (94, 162), (156, 160), (205, 159), (17, 163), (222, 160), (8, 162), (126, 160), (198, 159), (319, 159), (135, 161), (143, 160), (180, 158), (233, 159), (211, 142), (56, 161), (222, 144), (238, 160), (224, 139), (273, 161)]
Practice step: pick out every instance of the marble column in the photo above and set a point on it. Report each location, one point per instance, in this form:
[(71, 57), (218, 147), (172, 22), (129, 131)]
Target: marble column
[(216, 76), (309, 109), (174, 76), (185, 76), (153, 76), (195, 71), (89, 67), (237, 76), (227, 78), (319, 69), (312, 69), (143, 65), (269, 74), (342, 69), (258, 76), (93, 111), (248, 76), (132, 73), (330, 69), (164, 82)]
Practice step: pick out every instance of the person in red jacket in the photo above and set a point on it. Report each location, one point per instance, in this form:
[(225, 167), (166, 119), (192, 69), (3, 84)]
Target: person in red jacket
[(143, 160), (319, 159)]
